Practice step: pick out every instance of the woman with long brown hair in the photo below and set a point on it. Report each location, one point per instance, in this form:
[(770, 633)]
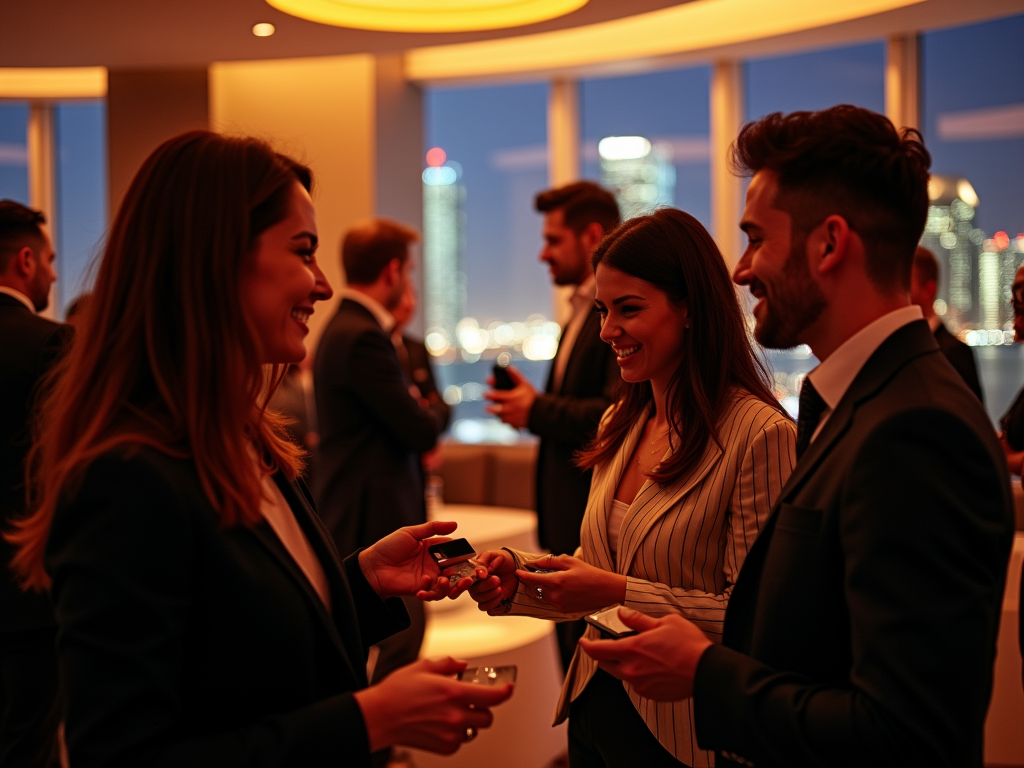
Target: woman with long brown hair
[(204, 617), (687, 465)]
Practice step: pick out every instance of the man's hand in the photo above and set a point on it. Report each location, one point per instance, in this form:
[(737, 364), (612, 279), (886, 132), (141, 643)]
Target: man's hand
[(660, 662), (400, 564), (576, 587), (421, 706), (513, 406)]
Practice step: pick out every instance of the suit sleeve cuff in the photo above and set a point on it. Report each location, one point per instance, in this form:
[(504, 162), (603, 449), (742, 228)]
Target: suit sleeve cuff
[(378, 618)]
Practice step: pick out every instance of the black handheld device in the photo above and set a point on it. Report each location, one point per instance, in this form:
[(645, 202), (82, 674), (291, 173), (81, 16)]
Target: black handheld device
[(609, 623), (502, 379)]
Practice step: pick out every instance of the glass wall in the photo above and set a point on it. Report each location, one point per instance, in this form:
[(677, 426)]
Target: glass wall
[(14, 151), (81, 193), (671, 111), (972, 117), (810, 81), (484, 290)]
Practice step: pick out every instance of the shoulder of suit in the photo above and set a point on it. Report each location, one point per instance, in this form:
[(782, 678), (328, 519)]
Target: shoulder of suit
[(748, 412)]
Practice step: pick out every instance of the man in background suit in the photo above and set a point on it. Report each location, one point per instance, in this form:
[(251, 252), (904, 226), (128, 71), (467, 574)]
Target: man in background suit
[(924, 284), (29, 707), (372, 430), (862, 628), (581, 381)]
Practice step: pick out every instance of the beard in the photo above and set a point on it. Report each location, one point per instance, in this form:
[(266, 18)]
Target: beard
[(791, 303)]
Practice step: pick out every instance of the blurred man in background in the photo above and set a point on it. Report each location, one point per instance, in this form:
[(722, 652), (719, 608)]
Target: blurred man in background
[(29, 344)]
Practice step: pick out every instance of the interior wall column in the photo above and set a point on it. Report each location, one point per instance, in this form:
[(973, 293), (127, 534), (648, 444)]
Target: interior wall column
[(145, 108), (726, 188), (41, 177), (903, 80), (563, 161)]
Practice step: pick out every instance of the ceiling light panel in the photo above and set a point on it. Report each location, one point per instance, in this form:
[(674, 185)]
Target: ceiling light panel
[(427, 15)]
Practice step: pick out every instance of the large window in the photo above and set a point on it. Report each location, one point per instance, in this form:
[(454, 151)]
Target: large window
[(973, 123), (14, 151), (484, 291), (670, 110)]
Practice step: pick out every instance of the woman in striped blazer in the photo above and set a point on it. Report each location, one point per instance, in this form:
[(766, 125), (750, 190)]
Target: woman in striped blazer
[(686, 466)]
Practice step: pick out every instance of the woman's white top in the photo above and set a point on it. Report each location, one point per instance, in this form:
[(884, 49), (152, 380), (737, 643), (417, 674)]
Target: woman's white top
[(615, 515), (280, 517)]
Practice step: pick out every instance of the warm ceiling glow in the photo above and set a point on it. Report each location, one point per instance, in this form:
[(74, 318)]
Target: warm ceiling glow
[(263, 29), (694, 26), (53, 83), (427, 15)]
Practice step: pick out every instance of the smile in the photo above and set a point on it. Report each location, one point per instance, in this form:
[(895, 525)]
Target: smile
[(625, 352), (302, 315)]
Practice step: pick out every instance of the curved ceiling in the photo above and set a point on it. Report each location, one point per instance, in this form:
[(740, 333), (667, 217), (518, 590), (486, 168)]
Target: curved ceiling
[(179, 33)]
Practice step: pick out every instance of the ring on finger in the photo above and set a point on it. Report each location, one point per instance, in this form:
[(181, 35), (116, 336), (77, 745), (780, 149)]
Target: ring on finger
[(540, 593), (470, 733)]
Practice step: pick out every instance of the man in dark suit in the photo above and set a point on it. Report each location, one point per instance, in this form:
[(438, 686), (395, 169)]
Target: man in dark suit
[(862, 628), (372, 430), (581, 381), (29, 711), (924, 282)]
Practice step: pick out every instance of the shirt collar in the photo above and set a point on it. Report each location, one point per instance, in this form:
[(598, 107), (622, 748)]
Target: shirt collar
[(833, 377), (384, 318), (583, 298), (19, 296), (934, 322)]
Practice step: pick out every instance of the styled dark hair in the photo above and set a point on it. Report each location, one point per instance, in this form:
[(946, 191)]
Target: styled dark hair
[(369, 247), (17, 224), (926, 265), (582, 203), (671, 250), (170, 360), (852, 162)]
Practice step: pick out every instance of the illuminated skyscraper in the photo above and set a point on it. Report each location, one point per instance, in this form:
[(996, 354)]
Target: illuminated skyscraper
[(967, 282), (641, 174), (444, 235)]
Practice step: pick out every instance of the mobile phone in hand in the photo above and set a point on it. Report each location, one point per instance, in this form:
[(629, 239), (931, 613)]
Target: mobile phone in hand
[(490, 676), (456, 559), (609, 623), (502, 379)]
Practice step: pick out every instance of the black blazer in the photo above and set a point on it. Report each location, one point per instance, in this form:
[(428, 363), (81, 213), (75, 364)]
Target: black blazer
[(182, 643), (372, 432), (566, 420), (961, 357), (28, 346), (862, 628)]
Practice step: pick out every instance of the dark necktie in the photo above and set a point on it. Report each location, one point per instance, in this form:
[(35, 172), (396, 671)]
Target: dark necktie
[(811, 408)]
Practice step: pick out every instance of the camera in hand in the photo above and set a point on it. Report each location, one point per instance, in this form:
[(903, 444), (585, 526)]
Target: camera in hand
[(502, 379)]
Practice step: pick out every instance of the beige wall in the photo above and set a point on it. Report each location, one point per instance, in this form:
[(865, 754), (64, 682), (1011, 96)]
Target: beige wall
[(321, 111)]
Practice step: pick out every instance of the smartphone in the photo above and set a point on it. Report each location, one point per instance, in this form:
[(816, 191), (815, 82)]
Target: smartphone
[(537, 569), (610, 624), (489, 675), (502, 379), (456, 560)]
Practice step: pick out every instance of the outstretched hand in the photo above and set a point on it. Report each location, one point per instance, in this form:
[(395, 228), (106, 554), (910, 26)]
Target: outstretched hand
[(513, 406), (400, 564), (660, 661), (500, 585), (575, 587)]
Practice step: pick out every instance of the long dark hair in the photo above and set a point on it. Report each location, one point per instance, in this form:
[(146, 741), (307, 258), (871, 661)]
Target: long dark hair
[(166, 356), (671, 250)]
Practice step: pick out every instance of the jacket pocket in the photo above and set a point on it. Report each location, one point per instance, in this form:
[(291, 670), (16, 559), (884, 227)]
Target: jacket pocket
[(805, 520)]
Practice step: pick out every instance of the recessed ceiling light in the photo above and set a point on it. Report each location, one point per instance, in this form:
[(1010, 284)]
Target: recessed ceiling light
[(263, 29), (427, 15)]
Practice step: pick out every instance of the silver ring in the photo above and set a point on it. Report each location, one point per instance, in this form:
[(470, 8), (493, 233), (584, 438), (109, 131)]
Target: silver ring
[(540, 593), (470, 733)]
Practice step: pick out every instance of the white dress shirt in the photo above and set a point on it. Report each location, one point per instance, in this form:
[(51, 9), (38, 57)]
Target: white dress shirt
[(582, 303), (833, 377)]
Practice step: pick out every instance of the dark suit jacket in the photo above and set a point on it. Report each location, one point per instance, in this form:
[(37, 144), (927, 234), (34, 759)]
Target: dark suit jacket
[(182, 643), (372, 432), (418, 371), (565, 421), (862, 627), (28, 346), (961, 357)]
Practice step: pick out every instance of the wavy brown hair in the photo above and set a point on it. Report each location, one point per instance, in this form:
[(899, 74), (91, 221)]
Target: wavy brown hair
[(671, 250), (165, 356)]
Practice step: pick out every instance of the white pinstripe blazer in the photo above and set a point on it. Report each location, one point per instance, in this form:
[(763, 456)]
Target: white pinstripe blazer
[(681, 545)]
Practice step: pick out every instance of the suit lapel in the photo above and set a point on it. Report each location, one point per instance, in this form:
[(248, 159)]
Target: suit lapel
[(343, 618)]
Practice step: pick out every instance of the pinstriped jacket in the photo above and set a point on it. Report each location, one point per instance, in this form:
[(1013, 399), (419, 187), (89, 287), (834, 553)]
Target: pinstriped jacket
[(681, 545)]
